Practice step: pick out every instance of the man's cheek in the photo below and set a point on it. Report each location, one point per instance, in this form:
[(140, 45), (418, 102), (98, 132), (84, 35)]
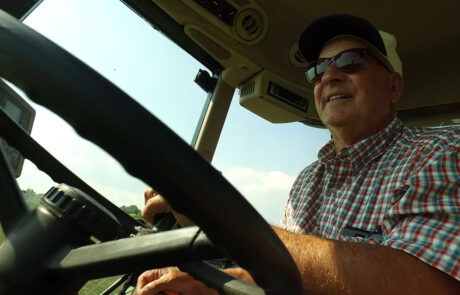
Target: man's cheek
[(317, 93)]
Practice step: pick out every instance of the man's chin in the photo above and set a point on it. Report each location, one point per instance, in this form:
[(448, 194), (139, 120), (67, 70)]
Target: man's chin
[(337, 121)]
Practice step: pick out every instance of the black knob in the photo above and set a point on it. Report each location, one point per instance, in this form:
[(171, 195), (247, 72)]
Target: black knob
[(78, 208)]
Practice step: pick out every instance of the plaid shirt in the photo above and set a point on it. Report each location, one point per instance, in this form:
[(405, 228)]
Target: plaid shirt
[(404, 182)]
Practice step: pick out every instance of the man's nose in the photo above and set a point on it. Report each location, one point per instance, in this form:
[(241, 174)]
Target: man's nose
[(332, 74)]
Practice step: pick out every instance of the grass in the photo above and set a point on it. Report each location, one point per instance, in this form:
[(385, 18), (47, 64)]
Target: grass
[(98, 286), (2, 235)]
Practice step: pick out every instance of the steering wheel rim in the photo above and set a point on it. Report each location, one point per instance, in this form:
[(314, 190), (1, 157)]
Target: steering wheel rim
[(42, 69)]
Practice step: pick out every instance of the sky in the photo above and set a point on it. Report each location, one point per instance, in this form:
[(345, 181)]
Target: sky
[(260, 159)]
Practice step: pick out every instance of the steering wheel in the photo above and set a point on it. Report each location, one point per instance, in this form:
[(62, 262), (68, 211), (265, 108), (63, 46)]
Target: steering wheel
[(105, 115)]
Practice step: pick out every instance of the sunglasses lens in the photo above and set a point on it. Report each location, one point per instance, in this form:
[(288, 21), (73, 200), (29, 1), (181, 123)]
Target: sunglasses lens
[(350, 61), (322, 66), (311, 73), (316, 70)]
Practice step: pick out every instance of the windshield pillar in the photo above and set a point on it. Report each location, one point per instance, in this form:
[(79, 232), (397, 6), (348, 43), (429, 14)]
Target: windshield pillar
[(208, 133)]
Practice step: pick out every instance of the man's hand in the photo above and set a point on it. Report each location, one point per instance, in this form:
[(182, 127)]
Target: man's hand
[(156, 204), (170, 279)]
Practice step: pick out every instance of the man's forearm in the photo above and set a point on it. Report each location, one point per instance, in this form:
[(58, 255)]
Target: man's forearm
[(336, 267)]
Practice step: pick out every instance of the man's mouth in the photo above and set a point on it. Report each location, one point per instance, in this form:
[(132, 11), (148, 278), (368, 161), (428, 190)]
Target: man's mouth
[(341, 96)]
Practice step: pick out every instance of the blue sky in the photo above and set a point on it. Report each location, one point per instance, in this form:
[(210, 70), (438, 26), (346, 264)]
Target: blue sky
[(261, 159)]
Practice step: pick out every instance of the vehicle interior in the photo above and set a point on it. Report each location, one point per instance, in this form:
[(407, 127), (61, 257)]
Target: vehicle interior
[(249, 47)]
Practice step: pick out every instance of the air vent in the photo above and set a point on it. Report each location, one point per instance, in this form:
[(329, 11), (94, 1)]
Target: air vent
[(299, 57), (243, 20), (287, 96), (296, 57), (249, 24), (241, 3), (247, 89), (275, 99)]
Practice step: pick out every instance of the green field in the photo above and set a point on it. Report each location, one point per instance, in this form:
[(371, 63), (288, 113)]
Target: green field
[(2, 235), (98, 286)]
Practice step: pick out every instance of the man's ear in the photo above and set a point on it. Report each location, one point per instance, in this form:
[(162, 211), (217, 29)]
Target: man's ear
[(396, 86)]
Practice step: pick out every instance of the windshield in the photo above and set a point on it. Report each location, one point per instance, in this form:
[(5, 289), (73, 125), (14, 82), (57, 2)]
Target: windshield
[(136, 58), (262, 159), (259, 158)]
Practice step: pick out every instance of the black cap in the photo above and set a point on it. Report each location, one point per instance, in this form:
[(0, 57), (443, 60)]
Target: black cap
[(318, 32)]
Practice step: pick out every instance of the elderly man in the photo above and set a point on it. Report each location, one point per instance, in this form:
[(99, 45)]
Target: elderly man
[(378, 213)]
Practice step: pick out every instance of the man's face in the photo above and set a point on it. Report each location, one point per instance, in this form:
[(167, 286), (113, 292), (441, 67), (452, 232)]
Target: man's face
[(365, 103)]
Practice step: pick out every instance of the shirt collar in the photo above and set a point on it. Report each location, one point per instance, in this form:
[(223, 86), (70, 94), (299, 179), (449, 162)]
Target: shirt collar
[(362, 152)]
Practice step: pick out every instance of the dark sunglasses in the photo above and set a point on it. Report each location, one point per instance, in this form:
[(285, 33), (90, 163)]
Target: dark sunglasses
[(348, 61)]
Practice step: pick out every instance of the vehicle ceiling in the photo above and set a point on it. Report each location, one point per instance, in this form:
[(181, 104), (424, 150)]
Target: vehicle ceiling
[(19, 8), (428, 43)]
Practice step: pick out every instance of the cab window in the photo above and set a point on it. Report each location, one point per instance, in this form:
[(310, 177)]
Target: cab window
[(135, 57), (262, 159)]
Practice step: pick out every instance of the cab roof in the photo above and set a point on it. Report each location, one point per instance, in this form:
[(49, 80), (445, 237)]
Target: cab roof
[(244, 37)]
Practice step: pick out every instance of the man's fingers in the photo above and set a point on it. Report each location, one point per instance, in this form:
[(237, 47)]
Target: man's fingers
[(154, 206), (171, 279), (240, 273), (146, 277), (149, 193)]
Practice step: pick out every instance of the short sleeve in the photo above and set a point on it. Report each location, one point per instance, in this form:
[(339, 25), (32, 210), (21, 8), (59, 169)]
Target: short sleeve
[(424, 220)]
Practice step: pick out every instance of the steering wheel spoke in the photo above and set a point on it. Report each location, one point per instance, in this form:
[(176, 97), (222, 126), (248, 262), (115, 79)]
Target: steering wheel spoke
[(136, 254)]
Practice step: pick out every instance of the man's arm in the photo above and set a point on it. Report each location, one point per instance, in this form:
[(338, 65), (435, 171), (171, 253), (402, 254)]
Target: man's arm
[(336, 267)]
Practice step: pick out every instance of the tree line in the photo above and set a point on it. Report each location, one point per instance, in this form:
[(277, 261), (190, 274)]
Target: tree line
[(32, 200)]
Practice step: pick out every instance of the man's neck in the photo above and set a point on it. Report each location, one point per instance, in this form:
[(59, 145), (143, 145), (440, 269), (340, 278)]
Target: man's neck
[(345, 136)]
